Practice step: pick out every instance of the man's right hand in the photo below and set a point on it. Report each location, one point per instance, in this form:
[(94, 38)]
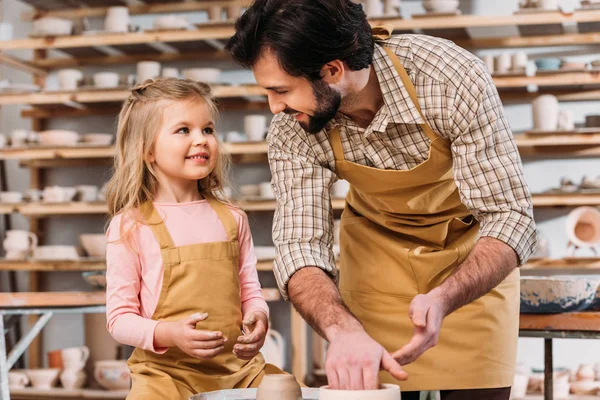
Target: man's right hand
[(354, 360)]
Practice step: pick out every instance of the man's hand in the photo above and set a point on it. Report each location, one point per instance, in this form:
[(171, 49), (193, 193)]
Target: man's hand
[(426, 311), (354, 360)]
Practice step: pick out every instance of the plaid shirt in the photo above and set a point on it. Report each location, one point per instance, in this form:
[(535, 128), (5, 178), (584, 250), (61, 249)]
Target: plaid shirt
[(460, 103)]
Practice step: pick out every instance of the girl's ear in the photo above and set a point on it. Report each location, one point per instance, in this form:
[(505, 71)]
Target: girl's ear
[(150, 159)]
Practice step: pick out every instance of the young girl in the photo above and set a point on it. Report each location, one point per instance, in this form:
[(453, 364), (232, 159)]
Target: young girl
[(181, 270)]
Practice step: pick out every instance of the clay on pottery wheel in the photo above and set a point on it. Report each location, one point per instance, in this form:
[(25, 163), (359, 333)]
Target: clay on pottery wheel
[(385, 392), (280, 387)]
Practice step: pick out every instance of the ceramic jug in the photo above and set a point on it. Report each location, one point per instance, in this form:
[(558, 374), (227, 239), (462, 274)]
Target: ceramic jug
[(18, 243)]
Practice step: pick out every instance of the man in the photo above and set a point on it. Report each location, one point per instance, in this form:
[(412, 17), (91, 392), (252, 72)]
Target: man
[(438, 216)]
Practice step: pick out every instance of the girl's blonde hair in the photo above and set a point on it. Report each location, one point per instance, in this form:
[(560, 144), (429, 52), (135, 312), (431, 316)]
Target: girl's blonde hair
[(133, 181)]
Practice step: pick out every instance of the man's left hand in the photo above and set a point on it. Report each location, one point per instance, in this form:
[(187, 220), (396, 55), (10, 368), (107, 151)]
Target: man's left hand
[(426, 311)]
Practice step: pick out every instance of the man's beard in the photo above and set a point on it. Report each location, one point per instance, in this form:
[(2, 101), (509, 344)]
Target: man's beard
[(328, 103)]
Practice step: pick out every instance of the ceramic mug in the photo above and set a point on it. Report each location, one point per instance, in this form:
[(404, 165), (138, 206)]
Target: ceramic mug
[(55, 359), (18, 243), (545, 113), (117, 19), (68, 79), (72, 379), (17, 379), (255, 127), (147, 70), (503, 63), (75, 355)]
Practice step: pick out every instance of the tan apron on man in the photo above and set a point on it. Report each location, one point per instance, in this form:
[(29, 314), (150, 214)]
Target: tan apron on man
[(200, 277), (402, 234)]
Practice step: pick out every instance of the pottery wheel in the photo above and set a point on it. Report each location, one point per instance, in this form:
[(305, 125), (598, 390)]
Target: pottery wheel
[(248, 394)]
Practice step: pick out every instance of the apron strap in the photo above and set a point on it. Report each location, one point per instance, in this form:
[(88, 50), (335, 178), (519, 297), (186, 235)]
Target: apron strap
[(156, 223), (336, 144), (225, 215), (411, 91)]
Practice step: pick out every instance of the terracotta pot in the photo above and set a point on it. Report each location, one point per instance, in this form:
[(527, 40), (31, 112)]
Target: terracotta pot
[(280, 387)]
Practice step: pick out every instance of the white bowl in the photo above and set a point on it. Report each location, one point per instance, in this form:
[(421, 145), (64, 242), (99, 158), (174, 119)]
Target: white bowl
[(100, 139), (106, 80), (94, 244), (52, 26), (170, 22), (58, 194), (55, 253), (43, 378), (441, 6), (206, 75), (11, 197), (112, 374), (58, 137), (386, 392)]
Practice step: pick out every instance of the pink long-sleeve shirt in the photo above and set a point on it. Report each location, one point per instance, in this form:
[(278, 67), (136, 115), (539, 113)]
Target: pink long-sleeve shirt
[(134, 280)]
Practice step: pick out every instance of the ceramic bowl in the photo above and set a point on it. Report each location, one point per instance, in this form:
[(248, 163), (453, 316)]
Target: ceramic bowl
[(106, 80), (43, 378), (441, 6), (281, 387), (386, 392), (557, 294), (11, 197), (206, 75), (59, 194), (98, 139), (170, 22), (55, 253), (58, 138), (112, 374), (52, 26), (94, 244), (548, 64), (96, 279)]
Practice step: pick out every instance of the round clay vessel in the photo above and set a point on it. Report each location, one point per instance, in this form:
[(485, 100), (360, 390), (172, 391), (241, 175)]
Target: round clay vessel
[(385, 392), (280, 387)]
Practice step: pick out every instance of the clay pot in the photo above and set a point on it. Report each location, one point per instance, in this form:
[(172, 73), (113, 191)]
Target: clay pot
[(72, 379), (583, 228), (43, 378), (385, 392), (545, 113), (280, 387), (112, 374)]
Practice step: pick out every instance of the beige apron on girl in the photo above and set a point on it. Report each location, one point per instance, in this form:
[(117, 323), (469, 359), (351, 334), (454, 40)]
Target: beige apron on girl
[(402, 234), (200, 277)]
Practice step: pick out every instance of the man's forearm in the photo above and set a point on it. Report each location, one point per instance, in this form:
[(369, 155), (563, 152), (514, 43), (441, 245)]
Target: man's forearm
[(318, 300), (490, 261)]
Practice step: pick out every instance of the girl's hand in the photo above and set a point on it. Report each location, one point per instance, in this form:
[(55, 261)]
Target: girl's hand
[(248, 345), (200, 344)]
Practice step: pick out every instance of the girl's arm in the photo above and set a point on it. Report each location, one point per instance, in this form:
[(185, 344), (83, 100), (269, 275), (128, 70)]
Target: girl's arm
[(123, 279), (251, 292)]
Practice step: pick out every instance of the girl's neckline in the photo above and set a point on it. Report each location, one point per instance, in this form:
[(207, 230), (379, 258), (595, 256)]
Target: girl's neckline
[(187, 203)]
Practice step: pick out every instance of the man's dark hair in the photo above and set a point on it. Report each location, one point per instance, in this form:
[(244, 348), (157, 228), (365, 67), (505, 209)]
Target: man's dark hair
[(304, 35)]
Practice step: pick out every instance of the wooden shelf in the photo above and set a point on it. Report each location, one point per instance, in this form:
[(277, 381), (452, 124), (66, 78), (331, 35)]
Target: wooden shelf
[(569, 145), (566, 200), (72, 208), (563, 263), (577, 321), (561, 79), (86, 264)]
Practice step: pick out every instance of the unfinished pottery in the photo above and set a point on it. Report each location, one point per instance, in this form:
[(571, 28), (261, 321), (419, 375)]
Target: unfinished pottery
[(545, 113), (385, 392), (17, 379), (280, 387), (18, 243), (441, 6), (147, 70), (112, 374), (52, 26), (557, 294), (43, 378), (72, 379), (117, 19), (583, 228)]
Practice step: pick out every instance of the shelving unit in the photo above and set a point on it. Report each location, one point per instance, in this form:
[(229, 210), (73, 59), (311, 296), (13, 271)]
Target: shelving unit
[(205, 42)]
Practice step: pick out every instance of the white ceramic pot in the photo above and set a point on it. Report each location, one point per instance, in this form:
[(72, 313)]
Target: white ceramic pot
[(72, 379), (105, 80), (52, 26), (56, 252), (441, 6), (565, 120), (18, 243), (43, 378), (17, 379), (68, 79), (112, 374), (545, 112), (503, 63), (117, 19), (206, 75), (94, 244), (519, 61), (58, 137), (255, 127), (19, 137), (168, 22), (58, 194), (386, 392), (147, 70), (170, 72), (6, 31), (583, 227), (3, 141), (99, 139), (274, 349), (11, 197), (235, 137)]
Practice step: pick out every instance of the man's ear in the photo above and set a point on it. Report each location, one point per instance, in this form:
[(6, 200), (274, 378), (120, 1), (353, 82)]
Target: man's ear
[(332, 72)]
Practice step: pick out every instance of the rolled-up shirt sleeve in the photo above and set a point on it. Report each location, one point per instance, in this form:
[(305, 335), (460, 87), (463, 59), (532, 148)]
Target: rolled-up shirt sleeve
[(303, 220), (486, 163)]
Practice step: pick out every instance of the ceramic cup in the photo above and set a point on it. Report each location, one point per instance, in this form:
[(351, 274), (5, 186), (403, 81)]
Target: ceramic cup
[(545, 113), (106, 80), (3, 141), (255, 127), (117, 19), (42, 378), (55, 359), (519, 61), (281, 387), (17, 379), (503, 63), (74, 356), (170, 72), (68, 79), (18, 243), (565, 120), (147, 70), (72, 379)]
